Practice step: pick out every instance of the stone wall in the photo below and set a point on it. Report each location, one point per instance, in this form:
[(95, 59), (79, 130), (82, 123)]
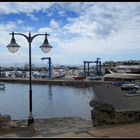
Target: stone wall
[(8, 126), (104, 113)]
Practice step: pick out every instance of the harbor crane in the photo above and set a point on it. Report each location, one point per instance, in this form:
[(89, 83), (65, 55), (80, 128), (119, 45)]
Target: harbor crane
[(98, 67)]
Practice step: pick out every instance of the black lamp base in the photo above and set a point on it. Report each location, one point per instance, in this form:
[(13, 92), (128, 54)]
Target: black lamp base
[(30, 121)]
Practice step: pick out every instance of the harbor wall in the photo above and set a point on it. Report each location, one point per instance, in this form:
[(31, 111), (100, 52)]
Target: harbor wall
[(104, 113), (61, 82)]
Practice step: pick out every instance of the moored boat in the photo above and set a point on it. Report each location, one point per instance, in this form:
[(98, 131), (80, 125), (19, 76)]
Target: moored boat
[(113, 76), (2, 86), (128, 86), (79, 77), (94, 77), (131, 94)]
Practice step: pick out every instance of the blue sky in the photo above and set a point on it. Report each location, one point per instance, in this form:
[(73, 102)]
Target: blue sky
[(78, 31)]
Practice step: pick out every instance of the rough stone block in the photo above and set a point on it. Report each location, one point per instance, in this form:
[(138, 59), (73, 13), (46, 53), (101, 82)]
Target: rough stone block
[(102, 106), (104, 113), (4, 119)]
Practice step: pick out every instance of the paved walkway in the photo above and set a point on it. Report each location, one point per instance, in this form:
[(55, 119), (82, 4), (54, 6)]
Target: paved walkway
[(114, 96), (125, 130)]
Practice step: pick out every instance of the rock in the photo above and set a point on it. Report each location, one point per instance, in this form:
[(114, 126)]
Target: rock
[(101, 118), (95, 114), (4, 119), (102, 106), (104, 113), (12, 124)]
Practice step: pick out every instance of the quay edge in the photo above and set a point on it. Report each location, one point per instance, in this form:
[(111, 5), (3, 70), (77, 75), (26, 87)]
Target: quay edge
[(62, 82)]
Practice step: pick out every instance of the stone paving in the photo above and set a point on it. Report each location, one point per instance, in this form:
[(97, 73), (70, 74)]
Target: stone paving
[(120, 131), (78, 128)]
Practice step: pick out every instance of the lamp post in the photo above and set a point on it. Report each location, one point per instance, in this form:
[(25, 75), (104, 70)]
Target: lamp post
[(13, 47)]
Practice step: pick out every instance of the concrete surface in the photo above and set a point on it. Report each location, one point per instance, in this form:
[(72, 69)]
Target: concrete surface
[(111, 131)]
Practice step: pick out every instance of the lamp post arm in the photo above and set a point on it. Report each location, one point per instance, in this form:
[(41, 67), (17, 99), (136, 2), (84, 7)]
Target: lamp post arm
[(38, 35), (30, 38), (19, 34)]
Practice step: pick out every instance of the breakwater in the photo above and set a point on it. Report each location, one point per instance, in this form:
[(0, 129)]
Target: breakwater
[(61, 82)]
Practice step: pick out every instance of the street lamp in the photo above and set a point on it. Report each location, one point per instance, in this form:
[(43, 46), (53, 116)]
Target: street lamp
[(13, 47)]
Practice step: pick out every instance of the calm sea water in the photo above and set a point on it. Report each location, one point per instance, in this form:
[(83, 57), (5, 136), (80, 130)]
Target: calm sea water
[(48, 101)]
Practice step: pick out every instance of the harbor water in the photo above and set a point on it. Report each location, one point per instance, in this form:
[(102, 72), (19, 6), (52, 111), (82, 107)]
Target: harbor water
[(49, 101)]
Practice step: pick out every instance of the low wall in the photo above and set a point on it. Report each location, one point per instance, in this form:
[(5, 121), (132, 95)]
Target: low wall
[(9, 126), (104, 113), (61, 82)]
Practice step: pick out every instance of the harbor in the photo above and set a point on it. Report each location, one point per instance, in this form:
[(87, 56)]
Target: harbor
[(51, 96), (69, 70), (69, 127), (48, 101)]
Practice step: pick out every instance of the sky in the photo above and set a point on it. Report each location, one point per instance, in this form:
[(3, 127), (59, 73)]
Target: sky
[(78, 31)]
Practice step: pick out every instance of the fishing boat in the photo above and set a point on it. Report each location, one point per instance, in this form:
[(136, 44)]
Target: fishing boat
[(2, 86)]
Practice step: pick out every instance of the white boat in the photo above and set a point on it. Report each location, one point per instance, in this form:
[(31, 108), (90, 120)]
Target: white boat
[(113, 76), (79, 76), (2, 86), (94, 77), (132, 94)]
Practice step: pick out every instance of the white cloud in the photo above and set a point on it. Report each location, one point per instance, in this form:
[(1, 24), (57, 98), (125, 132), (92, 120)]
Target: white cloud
[(54, 24), (102, 19), (32, 17), (44, 30), (53, 29), (20, 21), (23, 7), (100, 29)]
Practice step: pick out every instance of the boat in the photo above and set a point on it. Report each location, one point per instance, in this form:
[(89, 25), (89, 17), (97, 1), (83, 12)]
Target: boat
[(58, 76), (79, 77), (128, 86), (115, 76), (138, 91), (131, 95), (137, 86), (94, 77), (2, 86), (120, 83)]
